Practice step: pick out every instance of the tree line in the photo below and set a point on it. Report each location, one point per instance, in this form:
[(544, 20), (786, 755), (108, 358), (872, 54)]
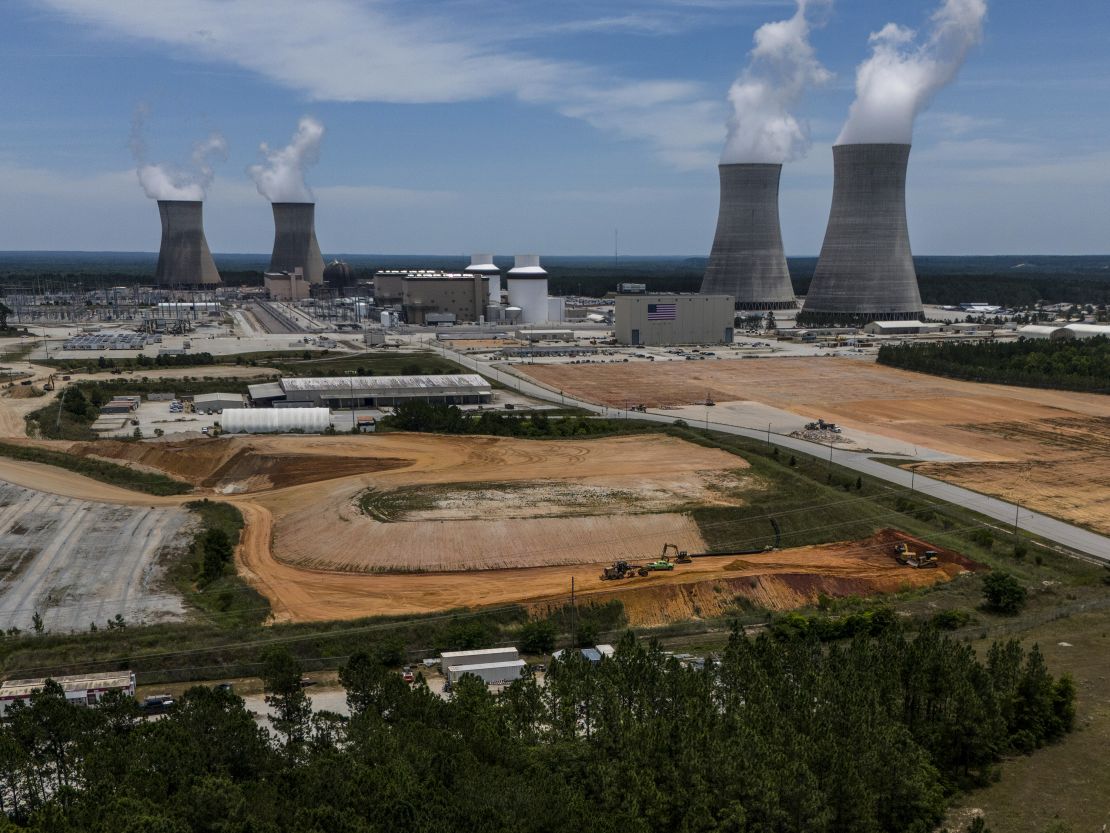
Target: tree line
[(437, 418), (782, 735), (1082, 364)]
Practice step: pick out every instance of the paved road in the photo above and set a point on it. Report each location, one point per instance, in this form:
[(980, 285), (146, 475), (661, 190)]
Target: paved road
[(1068, 535)]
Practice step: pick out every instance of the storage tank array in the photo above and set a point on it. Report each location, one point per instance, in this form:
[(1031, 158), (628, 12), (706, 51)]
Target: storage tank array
[(747, 259), (865, 271), (183, 256), (528, 289), (295, 241)]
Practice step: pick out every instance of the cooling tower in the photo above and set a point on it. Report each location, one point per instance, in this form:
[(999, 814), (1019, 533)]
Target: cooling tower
[(184, 258), (482, 264), (747, 260), (865, 272), (295, 241), (528, 289)]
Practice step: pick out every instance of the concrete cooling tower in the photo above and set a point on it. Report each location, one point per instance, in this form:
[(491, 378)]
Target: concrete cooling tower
[(295, 243), (482, 264), (747, 259), (183, 257), (865, 272)]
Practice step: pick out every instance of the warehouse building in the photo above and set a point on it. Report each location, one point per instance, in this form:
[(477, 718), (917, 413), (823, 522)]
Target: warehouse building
[(659, 320), (1050, 332), (339, 392), (212, 403), (1089, 330), (80, 689), (481, 656), (900, 328), (491, 673)]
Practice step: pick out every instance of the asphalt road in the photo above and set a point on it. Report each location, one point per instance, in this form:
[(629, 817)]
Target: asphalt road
[(1065, 534)]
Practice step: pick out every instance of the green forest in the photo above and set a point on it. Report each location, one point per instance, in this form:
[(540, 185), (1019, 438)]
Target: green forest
[(1081, 365), (787, 734)]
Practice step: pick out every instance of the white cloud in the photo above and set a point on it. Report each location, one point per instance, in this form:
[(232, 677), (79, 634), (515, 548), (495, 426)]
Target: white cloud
[(370, 50)]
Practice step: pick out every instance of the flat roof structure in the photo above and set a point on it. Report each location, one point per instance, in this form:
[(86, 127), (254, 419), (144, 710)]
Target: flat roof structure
[(266, 390), (387, 391)]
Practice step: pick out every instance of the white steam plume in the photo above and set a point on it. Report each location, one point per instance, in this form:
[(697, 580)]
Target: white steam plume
[(782, 66), (281, 177), (164, 181), (902, 76)]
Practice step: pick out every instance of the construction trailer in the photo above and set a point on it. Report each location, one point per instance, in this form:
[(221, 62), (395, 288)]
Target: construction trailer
[(481, 656), (491, 673), (80, 689)]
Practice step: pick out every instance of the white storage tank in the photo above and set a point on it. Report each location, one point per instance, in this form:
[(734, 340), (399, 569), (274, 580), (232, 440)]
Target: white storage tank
[(528, 289)]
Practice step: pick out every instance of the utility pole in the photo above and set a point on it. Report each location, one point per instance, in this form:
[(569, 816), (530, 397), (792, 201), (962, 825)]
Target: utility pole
[(768, 435), (1017, 509), (573, 616)]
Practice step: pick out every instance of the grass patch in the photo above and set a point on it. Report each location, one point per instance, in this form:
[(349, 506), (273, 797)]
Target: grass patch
[(105, 472), (227, 600)]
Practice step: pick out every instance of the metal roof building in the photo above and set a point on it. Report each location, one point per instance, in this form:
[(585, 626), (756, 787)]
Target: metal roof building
[(1049, 331), (1089, 330), (387, 391), (481, 656), (488, 672), (80, 689)]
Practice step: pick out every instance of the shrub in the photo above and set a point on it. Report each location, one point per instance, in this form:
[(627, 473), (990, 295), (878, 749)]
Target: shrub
[(1002, 593)]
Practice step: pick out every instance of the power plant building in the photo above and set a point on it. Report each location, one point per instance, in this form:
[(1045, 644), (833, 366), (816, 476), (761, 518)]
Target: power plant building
[(295, 245), (659, 320), (865, 272), (747, 259), (183, 256), (482, 264), (287, 286), (443, 297)]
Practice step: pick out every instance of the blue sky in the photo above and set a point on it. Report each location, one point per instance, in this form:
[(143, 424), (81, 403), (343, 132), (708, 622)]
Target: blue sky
[(519, 125)]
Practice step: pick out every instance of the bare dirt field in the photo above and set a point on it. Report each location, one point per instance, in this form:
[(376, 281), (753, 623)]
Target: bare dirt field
[(1048, 450), (75, 561)]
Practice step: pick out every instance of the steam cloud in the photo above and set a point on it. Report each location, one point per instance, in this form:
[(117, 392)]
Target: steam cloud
[(166, 181), (901, 77), (782, 66), (281, 177)]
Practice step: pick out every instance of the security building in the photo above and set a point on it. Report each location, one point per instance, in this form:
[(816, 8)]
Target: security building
[(657, 320)]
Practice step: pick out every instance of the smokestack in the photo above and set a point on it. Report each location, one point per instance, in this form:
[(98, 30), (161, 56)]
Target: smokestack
[(482, 264), (295, 243), (747, 259), (184, 258), (865, 272)]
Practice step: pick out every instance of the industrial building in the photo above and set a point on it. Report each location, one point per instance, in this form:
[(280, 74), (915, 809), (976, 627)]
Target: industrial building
[(216, 402), (339, 392), (295, 245), (444, 297), (527, 282), (275, 420), (491, 673), (1089, 330), (1064, 332), (747, 259), (476, 657), (388, 286), (183, 256), (287, 286), (865, 271), (657, 320), (900, 328), (80, 689)]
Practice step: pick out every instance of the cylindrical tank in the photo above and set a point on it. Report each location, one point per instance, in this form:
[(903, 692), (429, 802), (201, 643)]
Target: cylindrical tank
[(482, 264), (528, 289), (183, 256), (295, 241), (865, 271), (747, 259)]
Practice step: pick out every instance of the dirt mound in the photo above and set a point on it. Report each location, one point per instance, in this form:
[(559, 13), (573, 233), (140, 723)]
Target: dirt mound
[(234, 464)]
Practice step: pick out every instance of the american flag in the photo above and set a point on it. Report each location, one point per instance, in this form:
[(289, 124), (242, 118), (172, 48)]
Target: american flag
[(662, 312)]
